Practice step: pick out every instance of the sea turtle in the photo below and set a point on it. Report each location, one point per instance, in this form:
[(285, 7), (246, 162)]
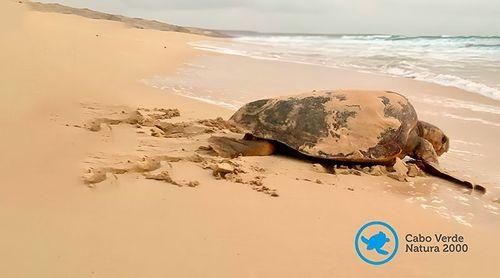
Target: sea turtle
[(376, 241), (344, 126)]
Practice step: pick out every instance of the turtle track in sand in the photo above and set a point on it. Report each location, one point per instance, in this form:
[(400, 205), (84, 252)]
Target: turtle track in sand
[(152, 126)]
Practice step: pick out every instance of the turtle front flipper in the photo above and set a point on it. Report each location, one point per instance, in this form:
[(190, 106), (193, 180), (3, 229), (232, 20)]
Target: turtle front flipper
[(434, 169), (231, 147), (428, 161)]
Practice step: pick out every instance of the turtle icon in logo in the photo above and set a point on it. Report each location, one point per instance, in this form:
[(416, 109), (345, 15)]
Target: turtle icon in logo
[(376, 242)]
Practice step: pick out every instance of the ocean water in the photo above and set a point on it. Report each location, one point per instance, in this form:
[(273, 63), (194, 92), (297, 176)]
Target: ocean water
[(471, 63)]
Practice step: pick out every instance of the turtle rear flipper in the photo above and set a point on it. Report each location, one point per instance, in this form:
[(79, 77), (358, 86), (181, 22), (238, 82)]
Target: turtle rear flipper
[(427, 158), (382, 252), (231, 147)]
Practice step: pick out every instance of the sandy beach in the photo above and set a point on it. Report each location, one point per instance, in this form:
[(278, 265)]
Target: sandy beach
[(105, 173)]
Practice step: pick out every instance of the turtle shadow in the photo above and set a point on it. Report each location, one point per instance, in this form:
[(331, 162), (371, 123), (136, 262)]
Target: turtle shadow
[(329, 164)]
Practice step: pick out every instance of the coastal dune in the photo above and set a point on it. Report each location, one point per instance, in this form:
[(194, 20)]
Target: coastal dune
[(139, 23), (103, 175)]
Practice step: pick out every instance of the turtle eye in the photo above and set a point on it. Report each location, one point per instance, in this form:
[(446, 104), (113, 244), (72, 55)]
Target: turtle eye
[(444, 140)]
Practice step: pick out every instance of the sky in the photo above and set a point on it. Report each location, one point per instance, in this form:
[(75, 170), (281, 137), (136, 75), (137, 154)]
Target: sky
[(406, 17)]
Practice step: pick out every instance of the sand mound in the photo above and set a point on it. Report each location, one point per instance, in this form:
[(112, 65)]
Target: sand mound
[(147, 117), (165, 176)]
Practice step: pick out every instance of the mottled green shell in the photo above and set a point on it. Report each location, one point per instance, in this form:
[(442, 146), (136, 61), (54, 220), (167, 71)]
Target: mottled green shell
[(343, 125)]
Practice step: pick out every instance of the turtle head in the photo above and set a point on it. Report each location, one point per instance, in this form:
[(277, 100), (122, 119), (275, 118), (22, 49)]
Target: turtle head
[(435, 136)]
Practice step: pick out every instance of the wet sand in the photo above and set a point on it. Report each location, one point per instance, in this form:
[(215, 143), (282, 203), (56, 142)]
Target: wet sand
[(91, 189)]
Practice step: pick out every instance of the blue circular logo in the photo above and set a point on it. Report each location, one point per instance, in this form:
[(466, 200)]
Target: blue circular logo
[(376, 242)]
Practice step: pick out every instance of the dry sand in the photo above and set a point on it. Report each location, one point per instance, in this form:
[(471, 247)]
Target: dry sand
[(99, 179)]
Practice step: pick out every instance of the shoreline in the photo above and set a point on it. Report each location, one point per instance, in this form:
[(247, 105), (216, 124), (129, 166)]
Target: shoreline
[(462, 93), (72, 100), (361, 55)]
